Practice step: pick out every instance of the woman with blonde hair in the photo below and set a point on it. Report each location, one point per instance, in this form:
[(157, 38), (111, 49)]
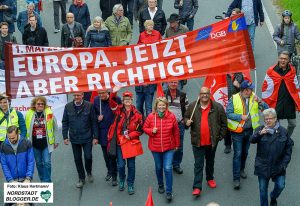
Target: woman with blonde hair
[(149, 35), (97, 34), (145, 93), (162, 128), (41, 130)]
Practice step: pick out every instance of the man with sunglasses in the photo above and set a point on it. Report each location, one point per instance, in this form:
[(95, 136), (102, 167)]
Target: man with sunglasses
[(207, 120)]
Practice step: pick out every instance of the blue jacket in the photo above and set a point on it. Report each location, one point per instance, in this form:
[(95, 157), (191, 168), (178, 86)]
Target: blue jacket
[(22, 20), (81, 14), (108, 118), (97, 38), (257, 8), (273, 152), (12, 10), (20, 165)]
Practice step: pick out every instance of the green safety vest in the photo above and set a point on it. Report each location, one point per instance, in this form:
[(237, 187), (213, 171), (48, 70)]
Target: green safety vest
[(13, 119), (49, 124), (239, 108)]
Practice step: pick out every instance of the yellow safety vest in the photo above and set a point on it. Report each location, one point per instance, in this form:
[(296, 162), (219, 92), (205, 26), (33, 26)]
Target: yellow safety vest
[(239, 108), (13, 119), (49, 124)]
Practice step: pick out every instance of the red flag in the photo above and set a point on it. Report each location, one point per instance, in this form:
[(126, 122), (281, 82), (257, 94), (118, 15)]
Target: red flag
[(247, 75), (159, 91), (93, 95), (149, 201), (218, 88)]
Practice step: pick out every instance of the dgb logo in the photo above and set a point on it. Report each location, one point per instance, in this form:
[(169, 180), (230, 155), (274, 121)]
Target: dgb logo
[(218, 34)]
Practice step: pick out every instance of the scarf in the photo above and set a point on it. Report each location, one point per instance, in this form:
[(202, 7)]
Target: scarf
[(161, 114)]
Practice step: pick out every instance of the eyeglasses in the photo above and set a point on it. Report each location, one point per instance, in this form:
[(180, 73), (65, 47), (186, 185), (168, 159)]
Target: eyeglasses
[(40, 104)]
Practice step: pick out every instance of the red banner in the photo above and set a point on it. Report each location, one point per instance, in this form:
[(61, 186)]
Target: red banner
[(223, 47)]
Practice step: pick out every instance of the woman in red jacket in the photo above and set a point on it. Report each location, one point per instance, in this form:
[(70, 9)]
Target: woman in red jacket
[(149, 35), (163, 131), (128, 126)]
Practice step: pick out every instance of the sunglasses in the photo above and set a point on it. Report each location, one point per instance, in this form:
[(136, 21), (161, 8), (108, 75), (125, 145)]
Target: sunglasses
[(40, 104)]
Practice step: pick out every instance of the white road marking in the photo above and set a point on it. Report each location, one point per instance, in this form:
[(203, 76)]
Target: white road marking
[(269, 24)]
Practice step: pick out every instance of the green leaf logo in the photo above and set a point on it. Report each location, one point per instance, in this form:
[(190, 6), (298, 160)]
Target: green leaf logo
[(45, 195)]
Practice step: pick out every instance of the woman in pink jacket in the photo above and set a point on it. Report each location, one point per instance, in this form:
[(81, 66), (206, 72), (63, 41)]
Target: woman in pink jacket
[(163, 131)]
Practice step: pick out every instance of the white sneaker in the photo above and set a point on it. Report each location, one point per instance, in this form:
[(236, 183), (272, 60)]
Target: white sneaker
[(56, 30)]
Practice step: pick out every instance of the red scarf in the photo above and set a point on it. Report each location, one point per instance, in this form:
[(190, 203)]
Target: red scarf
[(272, 83)]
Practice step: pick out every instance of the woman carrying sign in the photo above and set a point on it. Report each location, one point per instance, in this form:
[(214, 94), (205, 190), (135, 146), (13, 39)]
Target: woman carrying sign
[(163, 131), (41, 129), (124, 136)]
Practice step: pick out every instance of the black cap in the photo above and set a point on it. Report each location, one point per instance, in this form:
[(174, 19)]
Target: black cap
[(173, 17)]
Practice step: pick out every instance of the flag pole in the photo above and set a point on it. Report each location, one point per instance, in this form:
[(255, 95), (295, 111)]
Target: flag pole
[(194, 108)]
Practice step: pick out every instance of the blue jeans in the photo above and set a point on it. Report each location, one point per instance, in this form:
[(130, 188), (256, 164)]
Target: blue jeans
[(279, 184), (43, 164), (241, 146), (251, 31), (144, 97), (163, 162), (177, 159), (189, 22), (121, 167)]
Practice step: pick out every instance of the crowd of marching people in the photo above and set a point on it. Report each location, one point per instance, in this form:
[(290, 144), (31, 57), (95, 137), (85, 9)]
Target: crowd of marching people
[(117, 122)]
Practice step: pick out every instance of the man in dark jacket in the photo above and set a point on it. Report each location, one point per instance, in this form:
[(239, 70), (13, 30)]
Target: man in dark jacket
[(79, 126), (105, 120), (17, 152), (187, 11), (274, 151), (178, 103), (208, 123), (5, 37), (254, 14), (70, 31), (35, 35), (106, 7), (156, 14)]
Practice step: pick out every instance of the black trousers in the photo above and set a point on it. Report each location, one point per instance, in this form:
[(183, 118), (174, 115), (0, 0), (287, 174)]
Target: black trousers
[(111, 163), (227, 138), (207, 152), (88, 159)]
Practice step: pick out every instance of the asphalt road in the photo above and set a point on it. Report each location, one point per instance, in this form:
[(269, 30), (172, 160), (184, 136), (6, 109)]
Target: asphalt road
[(100, 193)]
